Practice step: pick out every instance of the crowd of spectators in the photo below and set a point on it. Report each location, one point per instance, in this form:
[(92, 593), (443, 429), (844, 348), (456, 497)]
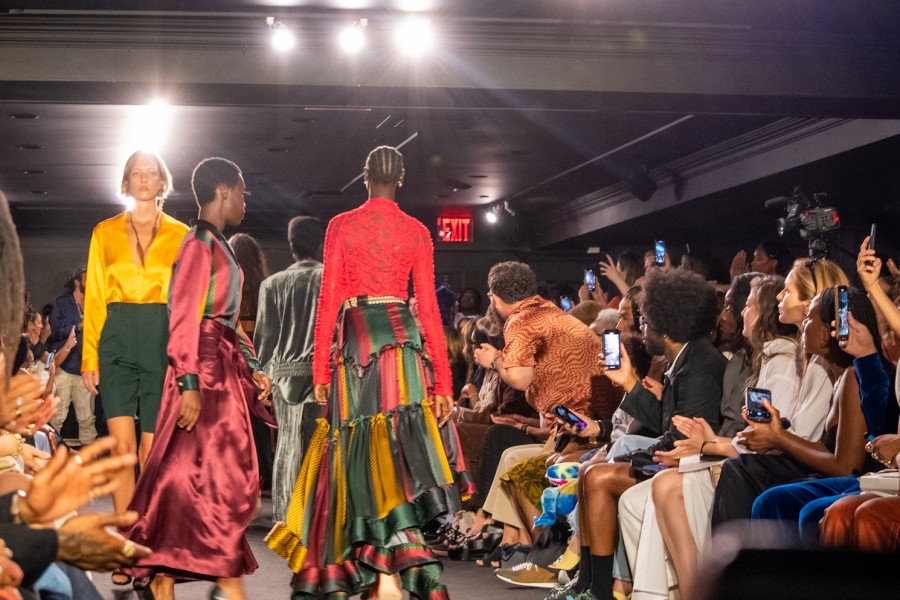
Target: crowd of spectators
[(598, 483), (592, 481)]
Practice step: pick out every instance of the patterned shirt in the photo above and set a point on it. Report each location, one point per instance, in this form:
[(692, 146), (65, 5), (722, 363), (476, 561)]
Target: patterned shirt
[(561, 349), (206, 284)]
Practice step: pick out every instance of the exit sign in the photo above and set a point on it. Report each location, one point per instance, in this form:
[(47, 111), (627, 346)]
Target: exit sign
[(455, 229)]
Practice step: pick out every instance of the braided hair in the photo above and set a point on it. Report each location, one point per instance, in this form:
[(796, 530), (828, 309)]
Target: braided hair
[(384, 165)]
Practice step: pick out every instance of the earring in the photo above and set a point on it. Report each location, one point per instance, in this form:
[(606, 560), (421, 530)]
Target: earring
[(400, 183)]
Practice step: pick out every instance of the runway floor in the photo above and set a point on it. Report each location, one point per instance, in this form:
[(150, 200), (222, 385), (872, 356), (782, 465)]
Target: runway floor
[(271, 580)]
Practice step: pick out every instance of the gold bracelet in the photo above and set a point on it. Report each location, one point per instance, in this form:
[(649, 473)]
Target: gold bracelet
[(20, 442)]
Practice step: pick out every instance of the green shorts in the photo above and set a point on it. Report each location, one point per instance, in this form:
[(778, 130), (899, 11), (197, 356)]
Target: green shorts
[(133, 361)]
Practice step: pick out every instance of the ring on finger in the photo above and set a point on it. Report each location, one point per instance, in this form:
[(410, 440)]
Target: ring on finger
[(79, 460), (20, 401), (128, 549)]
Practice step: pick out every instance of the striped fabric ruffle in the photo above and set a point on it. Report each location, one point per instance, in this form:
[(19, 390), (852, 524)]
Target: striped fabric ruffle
[(376, 469)]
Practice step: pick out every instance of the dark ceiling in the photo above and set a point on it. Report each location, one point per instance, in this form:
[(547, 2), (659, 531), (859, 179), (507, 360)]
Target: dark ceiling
[(539, 104)]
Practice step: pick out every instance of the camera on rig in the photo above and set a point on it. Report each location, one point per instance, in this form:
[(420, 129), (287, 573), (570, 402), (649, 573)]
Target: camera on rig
[(810, 217)]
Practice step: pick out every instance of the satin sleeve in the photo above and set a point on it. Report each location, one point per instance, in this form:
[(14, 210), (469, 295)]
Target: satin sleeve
[(187, 299), (94, 306), (430, 316), (329, 302), (266, 324)]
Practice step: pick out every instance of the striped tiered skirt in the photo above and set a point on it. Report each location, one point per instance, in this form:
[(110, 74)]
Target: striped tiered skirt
[(378, 468)]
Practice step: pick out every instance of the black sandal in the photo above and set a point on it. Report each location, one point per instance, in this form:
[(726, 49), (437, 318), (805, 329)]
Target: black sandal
[(120, 578), (493, 556)]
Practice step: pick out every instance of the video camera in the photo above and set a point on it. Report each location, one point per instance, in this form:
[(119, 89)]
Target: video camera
[(813, 220)]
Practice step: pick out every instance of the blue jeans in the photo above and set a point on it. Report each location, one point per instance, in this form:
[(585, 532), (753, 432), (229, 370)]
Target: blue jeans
[(798, 507)]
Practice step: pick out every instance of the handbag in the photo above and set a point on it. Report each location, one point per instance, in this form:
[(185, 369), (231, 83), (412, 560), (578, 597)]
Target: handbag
[(882, 483)]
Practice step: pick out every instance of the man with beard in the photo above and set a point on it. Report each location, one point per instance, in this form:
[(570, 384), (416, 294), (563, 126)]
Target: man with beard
[(549, 354), (678, 311), (66, 324)]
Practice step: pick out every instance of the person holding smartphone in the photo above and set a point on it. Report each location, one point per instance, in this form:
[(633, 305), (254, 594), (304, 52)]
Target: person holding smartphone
[(66, 335), (693, 387), (668, 511), (797, 508)]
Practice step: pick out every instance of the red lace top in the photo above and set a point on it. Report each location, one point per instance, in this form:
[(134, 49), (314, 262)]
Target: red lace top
[(371, 251)]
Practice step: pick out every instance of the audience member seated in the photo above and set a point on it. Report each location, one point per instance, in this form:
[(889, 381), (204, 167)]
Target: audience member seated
[(678, 312), (841, 452), (675, 516)]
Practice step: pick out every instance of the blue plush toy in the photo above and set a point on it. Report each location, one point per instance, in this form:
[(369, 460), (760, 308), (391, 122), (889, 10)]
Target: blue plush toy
[(559, 500)]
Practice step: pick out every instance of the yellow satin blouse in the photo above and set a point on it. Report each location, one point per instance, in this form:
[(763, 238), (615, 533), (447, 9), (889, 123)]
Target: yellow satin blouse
[(113, 275)]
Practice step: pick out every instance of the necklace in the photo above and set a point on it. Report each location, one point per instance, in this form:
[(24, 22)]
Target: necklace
[(140, 247)]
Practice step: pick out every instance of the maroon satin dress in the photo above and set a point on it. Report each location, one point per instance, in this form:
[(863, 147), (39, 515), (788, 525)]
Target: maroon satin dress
[(198, 492)]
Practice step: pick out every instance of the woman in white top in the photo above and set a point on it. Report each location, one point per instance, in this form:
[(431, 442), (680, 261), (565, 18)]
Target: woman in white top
[(683, 501)]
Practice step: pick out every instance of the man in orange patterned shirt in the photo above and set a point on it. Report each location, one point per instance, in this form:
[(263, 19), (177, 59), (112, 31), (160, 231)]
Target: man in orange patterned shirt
[(550, 354)]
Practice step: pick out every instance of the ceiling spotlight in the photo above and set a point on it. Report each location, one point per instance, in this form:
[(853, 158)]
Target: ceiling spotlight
[(282, 37), (353, 38), (493, 215), (414, 36)]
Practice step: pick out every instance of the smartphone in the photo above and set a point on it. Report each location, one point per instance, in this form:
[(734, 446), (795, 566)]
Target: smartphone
[(49, 360), (590, 279), (611, 345), (755, 410), (653, 469), (871, 245), (660, 253), (569, 418), (565, 303), (842, 313)]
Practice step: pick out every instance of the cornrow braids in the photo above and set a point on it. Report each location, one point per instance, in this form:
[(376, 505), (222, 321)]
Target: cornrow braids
[(12, 289), (384, 165)]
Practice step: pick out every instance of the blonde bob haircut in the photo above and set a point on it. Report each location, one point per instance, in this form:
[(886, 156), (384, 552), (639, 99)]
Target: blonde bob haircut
[(164, 173)]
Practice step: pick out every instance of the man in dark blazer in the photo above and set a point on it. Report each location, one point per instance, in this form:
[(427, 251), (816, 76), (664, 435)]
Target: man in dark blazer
[(678, 312)]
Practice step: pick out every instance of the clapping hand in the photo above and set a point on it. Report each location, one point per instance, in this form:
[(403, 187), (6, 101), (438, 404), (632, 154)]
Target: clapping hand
[(68, 482), (740, 264), (696, 430), (22, 409)]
